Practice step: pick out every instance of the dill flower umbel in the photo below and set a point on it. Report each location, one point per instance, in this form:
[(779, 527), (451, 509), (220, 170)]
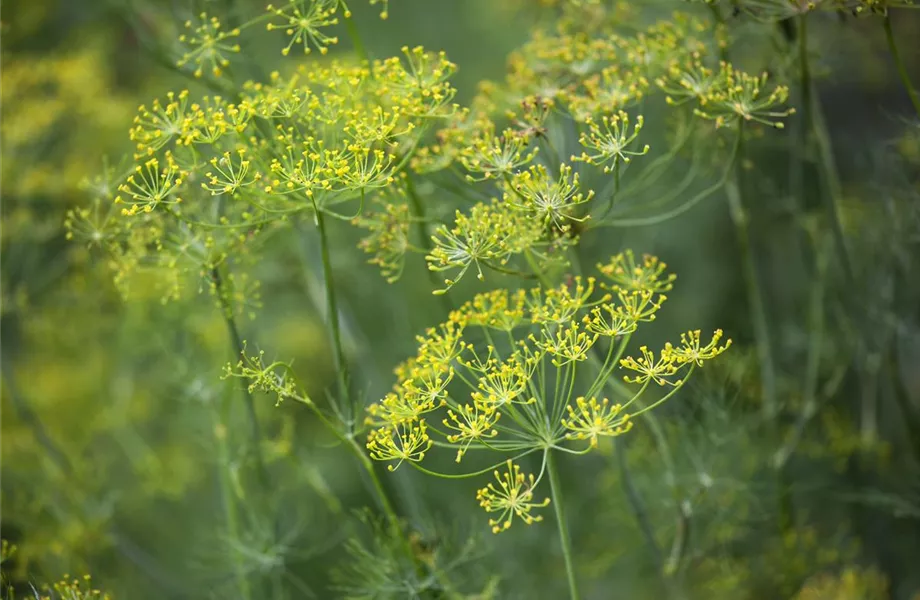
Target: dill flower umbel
[(591, 419), (209, 45), (304, 21), (151, 185), (625, 273), (691, 351), (609, 145), (738, 96), (407, 441), (550, 201), (513, 497), (504, 375)]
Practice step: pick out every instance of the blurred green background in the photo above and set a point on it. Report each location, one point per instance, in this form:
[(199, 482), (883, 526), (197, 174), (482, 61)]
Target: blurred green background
[(113, 409)]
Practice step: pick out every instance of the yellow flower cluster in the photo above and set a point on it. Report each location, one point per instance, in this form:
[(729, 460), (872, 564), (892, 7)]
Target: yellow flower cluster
[(513, 497), (735, 96), (209, 45), (504, 140), (212, 173), (72, 588), (502, 372), (590, 419)]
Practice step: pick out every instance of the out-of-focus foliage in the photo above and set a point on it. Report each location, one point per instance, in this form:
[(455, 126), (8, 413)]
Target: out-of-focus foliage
[(248, 252)]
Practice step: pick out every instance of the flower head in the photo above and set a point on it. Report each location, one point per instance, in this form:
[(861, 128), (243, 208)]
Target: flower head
[(625, 273), (471, 423), (738, 96), (303, 22), (650, 369), (490, 156), (549, 200), (402, 442), (609, 141), (690, 350), (591, 419), (512, 497), (150, 185), (209, 45)]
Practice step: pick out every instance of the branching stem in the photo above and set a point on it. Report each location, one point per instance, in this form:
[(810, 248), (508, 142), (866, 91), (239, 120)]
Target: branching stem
[(236, 343)]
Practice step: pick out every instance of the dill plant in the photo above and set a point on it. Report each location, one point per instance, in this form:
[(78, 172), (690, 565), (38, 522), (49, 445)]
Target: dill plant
[(523, 365), (500, 191)]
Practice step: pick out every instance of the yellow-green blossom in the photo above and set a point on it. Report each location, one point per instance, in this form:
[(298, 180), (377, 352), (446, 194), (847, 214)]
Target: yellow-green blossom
[(512, 497), (590, 420)]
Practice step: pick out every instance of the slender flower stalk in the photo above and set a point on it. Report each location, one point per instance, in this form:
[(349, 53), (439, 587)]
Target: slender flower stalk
[(231, 508), (421, 227), (757, 306), (635, 501), (899, 63), (332, 315), (561, 523), (355, 37)]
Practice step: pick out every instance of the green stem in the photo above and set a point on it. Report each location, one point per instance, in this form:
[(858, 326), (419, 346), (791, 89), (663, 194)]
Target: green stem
[(332, 314), (834, 188), (355, 36), (899, 63), (418, 208), (635, 501), (741, 220), (236, 343), (801, 144), (804, 123), (558, 507), (616, 188), (541, 276), (230, 511), (379, 490)]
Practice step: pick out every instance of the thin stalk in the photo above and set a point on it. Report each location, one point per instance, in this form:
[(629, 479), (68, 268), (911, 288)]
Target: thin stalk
[(635, 501), (355, 37), (812, 364), (379, 490), (800, 144), (230, 511), (834, 188), (332, 314), (813, 123), (418, 208), (237, 345), (614, 196), (899, 63), (559, 508), (541, 276), (741, 220)]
